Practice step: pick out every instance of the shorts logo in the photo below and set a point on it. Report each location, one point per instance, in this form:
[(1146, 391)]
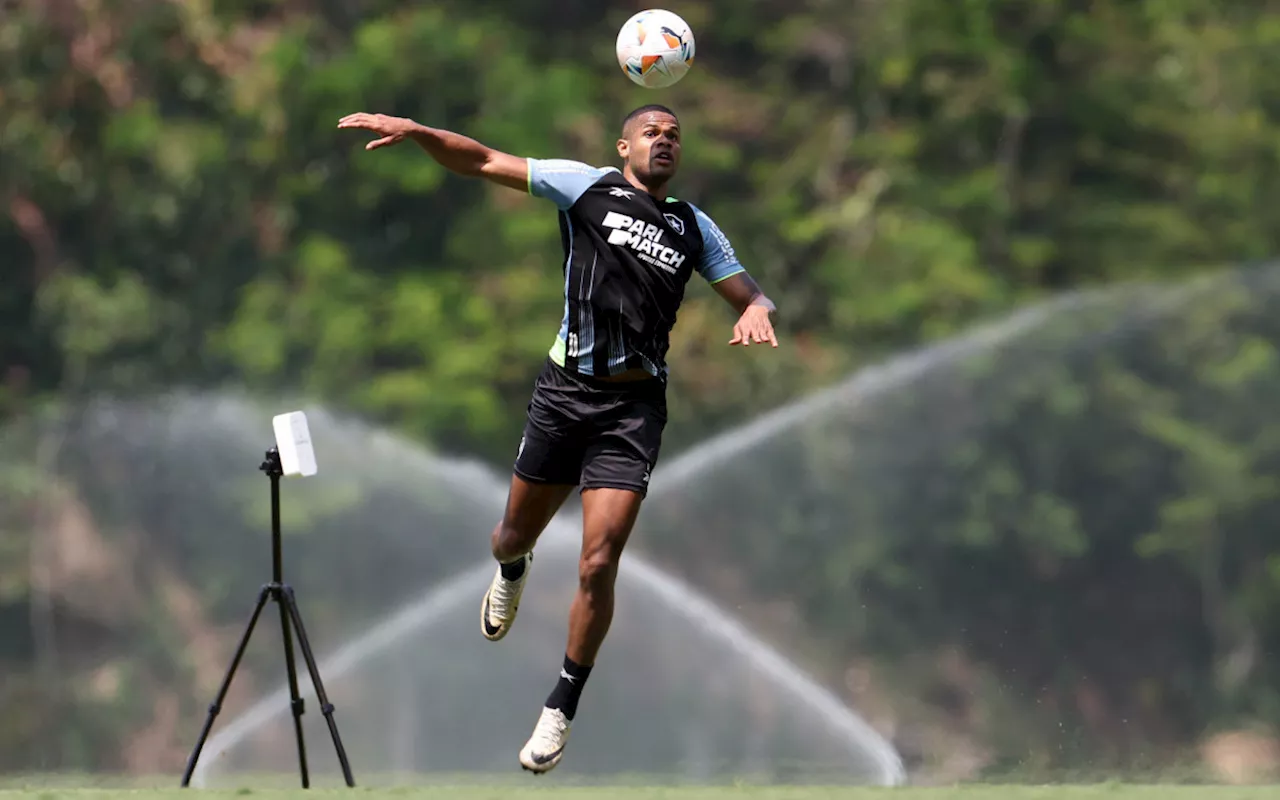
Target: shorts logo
[(644, 239), (675, 222), (520, 452)]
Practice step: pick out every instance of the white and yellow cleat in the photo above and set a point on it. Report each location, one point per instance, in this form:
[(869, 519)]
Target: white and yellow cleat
[(546, 746), (502, 601)]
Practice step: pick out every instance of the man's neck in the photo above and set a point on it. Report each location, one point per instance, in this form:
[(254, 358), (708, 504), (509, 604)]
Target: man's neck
[(658, 190)]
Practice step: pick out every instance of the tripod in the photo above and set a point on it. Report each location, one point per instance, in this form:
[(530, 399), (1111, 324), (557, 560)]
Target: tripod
[(283, 595)]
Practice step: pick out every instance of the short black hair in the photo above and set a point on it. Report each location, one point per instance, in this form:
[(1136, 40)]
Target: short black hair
[(645, 110)]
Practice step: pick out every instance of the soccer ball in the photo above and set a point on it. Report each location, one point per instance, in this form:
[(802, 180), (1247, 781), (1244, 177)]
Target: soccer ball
[(655, 48)]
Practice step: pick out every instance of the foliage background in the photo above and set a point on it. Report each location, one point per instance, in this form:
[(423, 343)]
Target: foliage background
[(1066, 552)]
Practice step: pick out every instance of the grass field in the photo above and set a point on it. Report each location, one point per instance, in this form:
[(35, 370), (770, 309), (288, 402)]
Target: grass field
[(548, 791)]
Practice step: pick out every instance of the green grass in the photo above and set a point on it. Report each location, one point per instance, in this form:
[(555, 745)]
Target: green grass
[(534, 791), (327, 785)]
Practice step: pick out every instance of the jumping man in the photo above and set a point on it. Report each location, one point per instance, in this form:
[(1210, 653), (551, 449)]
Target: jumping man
[(599, 404)]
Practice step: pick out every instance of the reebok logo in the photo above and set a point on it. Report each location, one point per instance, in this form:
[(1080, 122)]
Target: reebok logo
[(643, 238)]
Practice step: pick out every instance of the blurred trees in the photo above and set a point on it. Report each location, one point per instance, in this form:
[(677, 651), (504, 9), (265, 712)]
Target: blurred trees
[(180, 209)]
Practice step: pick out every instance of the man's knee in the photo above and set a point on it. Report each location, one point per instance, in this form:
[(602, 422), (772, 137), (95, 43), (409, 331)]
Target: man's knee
[(597, 571), (515, 535), (512, 539), (530, 506), (598, 564), (608, 514)]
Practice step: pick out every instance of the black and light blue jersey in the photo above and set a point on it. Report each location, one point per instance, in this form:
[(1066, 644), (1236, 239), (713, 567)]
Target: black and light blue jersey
[(628, 257)]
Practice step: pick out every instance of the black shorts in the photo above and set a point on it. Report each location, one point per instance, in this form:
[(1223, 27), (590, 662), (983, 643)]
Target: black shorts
[(593, 433)]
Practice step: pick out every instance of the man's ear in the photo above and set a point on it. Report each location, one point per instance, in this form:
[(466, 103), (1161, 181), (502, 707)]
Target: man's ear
[(624, 147)]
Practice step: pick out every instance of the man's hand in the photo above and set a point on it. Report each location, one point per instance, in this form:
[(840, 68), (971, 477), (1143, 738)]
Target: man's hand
[(754, 324), (393, 130), (741, 292)]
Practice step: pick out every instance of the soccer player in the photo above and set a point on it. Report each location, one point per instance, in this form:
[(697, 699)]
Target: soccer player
[(598, 408)]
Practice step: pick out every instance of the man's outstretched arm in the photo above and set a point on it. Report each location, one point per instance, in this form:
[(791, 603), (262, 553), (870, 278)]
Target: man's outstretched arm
[(453, 151), (720, 266)]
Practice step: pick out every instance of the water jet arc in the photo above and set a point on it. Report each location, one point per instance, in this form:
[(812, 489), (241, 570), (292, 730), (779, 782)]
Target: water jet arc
[(457, 594)]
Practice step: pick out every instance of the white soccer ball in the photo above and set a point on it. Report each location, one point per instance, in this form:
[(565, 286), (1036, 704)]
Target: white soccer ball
[(655, 48)]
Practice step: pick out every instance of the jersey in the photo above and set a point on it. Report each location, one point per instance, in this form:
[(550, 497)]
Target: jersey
[(628, 257)]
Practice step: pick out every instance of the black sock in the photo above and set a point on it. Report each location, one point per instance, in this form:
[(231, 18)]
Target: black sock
[(513, 570), (568, 688)]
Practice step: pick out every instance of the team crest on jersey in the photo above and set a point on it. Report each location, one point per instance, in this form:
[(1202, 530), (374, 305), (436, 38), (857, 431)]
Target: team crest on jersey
[(675, 222)]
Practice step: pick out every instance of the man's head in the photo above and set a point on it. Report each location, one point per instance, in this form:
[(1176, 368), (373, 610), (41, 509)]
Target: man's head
[(650, 144)]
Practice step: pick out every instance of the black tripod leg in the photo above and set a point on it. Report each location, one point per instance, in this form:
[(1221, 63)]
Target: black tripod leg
[(325, 706), (216, 706), (283, 599)]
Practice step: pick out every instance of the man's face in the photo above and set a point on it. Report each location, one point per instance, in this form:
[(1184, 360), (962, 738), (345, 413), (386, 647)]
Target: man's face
[(651, 146)]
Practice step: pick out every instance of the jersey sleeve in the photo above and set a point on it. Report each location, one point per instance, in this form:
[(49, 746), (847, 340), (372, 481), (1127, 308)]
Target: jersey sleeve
[(560, 180), (718, 259)]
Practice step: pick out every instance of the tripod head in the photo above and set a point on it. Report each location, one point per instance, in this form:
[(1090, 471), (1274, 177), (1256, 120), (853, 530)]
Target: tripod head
[(271, 463)]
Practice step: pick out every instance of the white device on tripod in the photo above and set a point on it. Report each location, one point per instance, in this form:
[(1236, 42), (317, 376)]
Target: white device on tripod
[(293, 441)]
